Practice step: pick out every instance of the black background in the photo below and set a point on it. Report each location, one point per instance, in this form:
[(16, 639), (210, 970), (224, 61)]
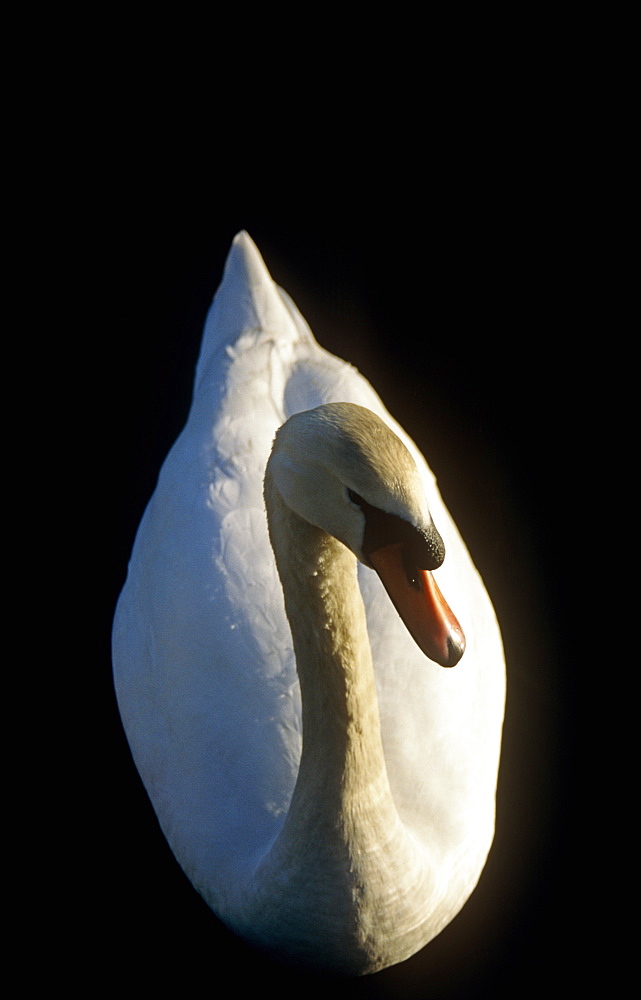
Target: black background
[(468, 276)]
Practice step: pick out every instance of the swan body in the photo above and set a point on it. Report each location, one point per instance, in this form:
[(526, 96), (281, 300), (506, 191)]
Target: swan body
[(327, 787)]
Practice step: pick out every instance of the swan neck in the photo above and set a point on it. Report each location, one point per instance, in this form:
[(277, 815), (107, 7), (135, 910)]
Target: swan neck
[(343, 881), (342, 752)]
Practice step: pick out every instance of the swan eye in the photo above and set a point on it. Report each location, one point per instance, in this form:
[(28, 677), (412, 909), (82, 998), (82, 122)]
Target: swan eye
[(421, 549)]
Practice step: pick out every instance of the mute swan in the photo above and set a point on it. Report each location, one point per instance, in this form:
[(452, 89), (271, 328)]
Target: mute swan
[(325, 781)]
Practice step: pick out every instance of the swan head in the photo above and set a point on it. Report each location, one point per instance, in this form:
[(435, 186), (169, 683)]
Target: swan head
[(342, 469)]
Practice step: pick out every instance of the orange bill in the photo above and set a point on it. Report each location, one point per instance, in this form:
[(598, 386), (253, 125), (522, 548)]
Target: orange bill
[(421, 605)]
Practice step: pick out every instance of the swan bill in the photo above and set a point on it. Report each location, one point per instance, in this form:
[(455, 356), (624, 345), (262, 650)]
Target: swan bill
[(418, 600)]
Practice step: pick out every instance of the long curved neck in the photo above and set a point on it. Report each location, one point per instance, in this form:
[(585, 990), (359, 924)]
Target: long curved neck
[(342, 758), (343, 872)]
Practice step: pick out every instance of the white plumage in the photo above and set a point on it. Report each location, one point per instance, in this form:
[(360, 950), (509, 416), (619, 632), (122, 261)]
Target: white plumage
[(206, 676)]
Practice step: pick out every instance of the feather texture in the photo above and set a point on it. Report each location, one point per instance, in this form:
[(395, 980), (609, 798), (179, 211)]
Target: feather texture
[(204, 665)]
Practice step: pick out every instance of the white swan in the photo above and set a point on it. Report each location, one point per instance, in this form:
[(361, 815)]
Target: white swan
[(348, 829)]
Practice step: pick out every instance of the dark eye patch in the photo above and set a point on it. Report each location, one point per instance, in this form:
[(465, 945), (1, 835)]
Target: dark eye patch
[(421, 549)]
